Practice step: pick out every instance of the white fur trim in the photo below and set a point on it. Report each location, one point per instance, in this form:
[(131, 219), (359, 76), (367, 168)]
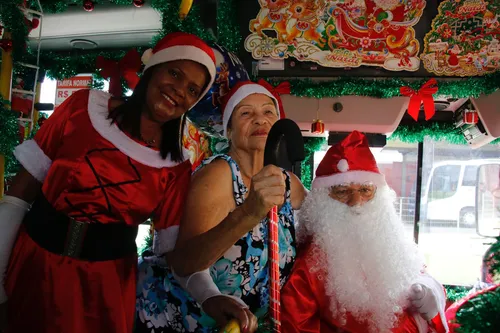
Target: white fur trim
[(343, 166), (185, 52), (164, 240), (422, 325), (146, 56), (238, 96), (349, 177), (33, 159), (98, 113)]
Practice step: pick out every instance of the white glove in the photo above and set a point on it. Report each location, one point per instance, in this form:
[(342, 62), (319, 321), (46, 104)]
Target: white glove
[(12, 211), (424, 301), (201, 286)]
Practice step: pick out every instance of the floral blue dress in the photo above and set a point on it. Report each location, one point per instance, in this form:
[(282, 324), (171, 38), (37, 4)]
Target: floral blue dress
[(163, 306)]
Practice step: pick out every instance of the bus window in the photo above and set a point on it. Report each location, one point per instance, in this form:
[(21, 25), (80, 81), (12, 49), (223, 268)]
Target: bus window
[(447, 234), (444, 182), (470, 176)]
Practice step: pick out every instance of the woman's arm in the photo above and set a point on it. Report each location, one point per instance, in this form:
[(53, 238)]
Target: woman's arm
[(24, 186), (298, 191), (211, 224)]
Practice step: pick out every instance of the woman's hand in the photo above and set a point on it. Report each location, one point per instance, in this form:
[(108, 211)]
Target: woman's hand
[(267, 190), (223, 308)]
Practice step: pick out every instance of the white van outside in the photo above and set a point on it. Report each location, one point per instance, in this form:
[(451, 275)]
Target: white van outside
[(449, 195)]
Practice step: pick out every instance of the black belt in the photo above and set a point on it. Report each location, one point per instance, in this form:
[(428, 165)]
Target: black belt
[(60, 234)]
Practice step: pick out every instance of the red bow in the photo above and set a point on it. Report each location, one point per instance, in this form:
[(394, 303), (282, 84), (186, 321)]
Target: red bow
[(127, 68), (281, 89), (424, 94)]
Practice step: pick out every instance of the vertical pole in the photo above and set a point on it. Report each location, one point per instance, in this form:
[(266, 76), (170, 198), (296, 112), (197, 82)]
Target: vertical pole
[(418, 192), (6, 71), (5, 86), (36, 113)]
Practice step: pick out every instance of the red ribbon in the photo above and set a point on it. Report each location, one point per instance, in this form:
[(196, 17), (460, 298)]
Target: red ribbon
[(127, 68), (281, 89), (424, 94)]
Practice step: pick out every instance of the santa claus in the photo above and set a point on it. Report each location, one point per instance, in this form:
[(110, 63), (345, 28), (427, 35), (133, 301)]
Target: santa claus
[(357, 271)]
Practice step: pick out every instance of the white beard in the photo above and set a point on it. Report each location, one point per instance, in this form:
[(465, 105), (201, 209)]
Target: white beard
[(369, 260)]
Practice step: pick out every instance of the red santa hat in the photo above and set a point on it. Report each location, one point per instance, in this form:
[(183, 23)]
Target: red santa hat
[(243, 89), (182, 46), (349, 161)]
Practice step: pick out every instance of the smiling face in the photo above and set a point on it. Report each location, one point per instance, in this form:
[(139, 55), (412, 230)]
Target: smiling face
[(174, 88), (251, 122)]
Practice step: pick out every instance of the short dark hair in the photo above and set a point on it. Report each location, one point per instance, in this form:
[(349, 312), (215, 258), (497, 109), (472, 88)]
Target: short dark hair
[(128, 116)]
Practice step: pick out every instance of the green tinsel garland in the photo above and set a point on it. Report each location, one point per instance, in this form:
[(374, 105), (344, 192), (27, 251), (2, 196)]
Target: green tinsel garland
[(389, 87), (311, 145), (228, 31), (493, 259), (481, 313), (10, 135), (13, 20), (434, 130), (456, 293)]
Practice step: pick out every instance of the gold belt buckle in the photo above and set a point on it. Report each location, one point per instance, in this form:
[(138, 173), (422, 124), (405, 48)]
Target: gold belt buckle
[(75, 238)]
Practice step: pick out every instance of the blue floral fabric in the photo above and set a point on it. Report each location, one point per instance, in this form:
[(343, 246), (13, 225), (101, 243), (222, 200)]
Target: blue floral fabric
[(163, 306)]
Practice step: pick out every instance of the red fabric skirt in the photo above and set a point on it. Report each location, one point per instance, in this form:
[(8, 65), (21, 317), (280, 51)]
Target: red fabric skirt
[(49, 293)]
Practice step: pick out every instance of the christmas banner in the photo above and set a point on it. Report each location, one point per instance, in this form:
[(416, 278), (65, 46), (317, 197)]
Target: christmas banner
[(464, 40), (338, 33)]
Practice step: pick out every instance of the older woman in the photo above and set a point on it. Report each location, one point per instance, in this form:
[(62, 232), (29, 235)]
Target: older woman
[(221, 255), (97, 168)]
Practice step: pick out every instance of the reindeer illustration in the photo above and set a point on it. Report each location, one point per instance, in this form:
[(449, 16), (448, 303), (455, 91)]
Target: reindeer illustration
[(303, 21), (271, 17)]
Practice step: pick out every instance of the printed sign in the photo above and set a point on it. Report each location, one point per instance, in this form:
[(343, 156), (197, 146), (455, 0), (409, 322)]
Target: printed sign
[(67, 87)]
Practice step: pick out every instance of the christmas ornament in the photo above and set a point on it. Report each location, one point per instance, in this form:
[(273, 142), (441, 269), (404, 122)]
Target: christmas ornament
[(6, 45), (317, 127), (424, 94), (88, 5), (31, 24), (139, 3), (184, 8), (127, 68), (470, 117)]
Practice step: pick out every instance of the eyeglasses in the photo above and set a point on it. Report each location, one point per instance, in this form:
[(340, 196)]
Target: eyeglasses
[(344, 192)]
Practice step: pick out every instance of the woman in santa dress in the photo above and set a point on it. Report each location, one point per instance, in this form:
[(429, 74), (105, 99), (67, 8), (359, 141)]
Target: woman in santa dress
[(95, 170)]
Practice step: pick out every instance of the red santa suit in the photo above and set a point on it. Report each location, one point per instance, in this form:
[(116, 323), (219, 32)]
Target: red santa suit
[(306, 302), (107, 183), (305, 306)]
